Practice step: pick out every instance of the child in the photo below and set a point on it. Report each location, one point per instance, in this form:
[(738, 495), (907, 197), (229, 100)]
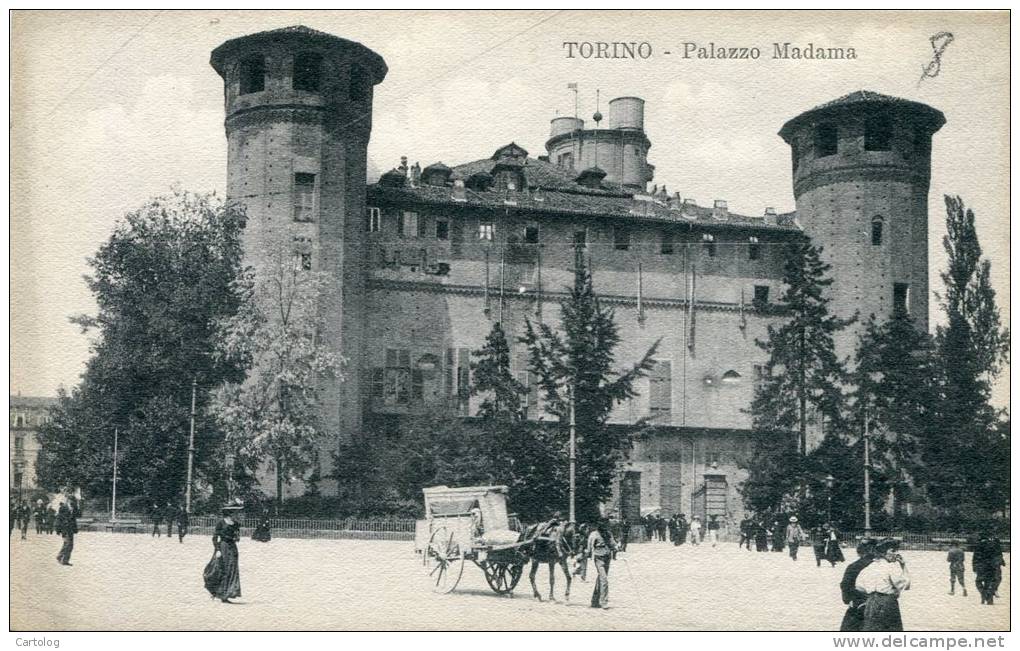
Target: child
[(955, 560)]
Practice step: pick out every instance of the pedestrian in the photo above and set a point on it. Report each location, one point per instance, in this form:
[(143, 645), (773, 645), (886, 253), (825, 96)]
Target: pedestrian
[(67, 526), (833, 553), (600, 549), (761, 536), (51, 519), (157, 519), (999, 563), (624, 534), (182, 523), (986, 561), (743, 535), (170, 513), (883, 580), (957, 561), (682, 528), (695, 531), (39, 515), (778, 536), (660, 525), (673, 531), (225, 537), (713, 530), (819, 536), (262, 528), (794, 535), (24, 515), (853, 619)]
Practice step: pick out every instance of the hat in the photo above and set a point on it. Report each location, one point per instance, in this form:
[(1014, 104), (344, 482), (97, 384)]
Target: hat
[(886, 544), (793, 518), (233, 505), (866, 545)]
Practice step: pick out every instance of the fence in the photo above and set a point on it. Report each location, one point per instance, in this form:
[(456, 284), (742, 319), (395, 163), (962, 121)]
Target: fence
[(348, 528), (930, 541)]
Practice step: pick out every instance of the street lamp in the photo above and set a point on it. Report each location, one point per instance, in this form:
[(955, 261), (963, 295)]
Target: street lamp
[(830, 481)]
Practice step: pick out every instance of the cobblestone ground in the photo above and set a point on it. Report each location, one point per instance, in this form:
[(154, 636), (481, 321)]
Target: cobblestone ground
[(134, 582)]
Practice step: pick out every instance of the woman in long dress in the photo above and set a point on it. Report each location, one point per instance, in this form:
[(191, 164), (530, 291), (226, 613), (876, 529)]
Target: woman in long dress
[(225, 537)]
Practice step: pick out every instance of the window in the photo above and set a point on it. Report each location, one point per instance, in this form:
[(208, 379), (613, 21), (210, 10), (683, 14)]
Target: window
[(486, 231), (304, 197), (408, 224), (876, 231), (878, 134), (708, 243), (20, 422), (565, 160), (753, 249), (901, 299), (305, 261), (712, 456), (761, 294), (457, 238), (660, 392), (666, 243), (463, 379), (531, 234), (307, 70), (19, 444), (581, 239), (442, 229), (397, 377), (360, 84), (621, 238), (826, 140), (252, 75), (374, 219)]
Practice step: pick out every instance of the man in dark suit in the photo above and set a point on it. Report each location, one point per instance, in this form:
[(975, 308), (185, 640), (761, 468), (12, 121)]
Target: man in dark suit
[(853, 619), (67, 526)]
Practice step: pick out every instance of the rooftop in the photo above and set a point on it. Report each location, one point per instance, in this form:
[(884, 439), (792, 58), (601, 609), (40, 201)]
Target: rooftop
[(865, 98)]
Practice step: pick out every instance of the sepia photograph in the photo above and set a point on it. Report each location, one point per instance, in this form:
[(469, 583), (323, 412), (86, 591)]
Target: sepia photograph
[(535, 320)]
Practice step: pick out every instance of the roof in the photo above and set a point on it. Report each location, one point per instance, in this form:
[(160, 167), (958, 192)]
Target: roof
[(305, 34), (33, 402), (552, 189), (864, 99)]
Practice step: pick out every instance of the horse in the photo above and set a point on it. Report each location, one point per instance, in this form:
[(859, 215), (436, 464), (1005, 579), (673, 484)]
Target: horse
[(552, 548)]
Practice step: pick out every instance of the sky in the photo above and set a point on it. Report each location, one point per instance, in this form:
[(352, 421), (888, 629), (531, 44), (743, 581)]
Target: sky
[(111, 108)]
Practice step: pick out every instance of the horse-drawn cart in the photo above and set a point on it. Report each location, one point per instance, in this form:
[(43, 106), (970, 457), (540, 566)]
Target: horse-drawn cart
[(469, 524)]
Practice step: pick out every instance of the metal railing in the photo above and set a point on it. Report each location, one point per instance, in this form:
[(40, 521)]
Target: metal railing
[(347, 528)]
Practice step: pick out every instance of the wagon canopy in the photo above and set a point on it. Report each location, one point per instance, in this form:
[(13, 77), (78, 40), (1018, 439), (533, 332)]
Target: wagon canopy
[(443, 501)]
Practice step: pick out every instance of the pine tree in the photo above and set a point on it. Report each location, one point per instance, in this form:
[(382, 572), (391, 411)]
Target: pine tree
[(493, 379), (578, 363)]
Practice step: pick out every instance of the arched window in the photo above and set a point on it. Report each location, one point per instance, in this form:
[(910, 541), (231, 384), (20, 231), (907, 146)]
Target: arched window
[(252, 75), (307, 71), (730, 377), (876, 230), (360, 84)]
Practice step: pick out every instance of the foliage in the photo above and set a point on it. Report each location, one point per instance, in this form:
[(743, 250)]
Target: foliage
[(578, 363), (160, 281), (493, 379), (273, 415)]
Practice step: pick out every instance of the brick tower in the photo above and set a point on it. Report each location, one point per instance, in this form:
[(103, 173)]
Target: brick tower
[(298, 119), (861, 170)]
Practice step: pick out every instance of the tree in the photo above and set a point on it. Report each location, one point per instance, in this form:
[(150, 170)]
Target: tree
[(802, 371), (493, 379), (160, 281), (972, 347), (274, 413), (578, 365)]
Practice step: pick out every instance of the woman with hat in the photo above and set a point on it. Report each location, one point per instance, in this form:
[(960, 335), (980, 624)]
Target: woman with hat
[(883, 581), (225, 537)]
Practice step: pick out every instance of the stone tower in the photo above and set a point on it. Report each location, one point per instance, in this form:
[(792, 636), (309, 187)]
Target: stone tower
[(298, 119), (861, 170)]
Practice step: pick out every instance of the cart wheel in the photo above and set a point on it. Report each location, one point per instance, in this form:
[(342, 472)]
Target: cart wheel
[(503, 577), (444, 564)]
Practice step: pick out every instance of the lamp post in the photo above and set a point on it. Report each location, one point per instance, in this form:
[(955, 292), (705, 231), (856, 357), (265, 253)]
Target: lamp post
[(830, 481), (867, 478), (573, 457), (191, 447)]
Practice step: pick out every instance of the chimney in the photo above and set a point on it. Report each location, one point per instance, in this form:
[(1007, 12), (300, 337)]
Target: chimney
[(415, 174), (770, 215), (459, 193), (720, 209), (403, 165)]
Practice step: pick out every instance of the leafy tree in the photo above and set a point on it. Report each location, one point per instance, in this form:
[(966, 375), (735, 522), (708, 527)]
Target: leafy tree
[(161, 281), (578, 364), (802, 372), (973, 346), (273, 414)]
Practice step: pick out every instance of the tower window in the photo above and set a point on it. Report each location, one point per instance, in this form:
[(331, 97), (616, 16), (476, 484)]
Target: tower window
[(305, 261), (761, 294), (826, 140), (307, 70), (531, 235), (253, 75), (442, 229), (708, 242), (304, 197), (878, 134), (753, 249), (666, 243), (360, 84), (901, 299), (486, 231), (621, 238), (374, 219), (876, 231)]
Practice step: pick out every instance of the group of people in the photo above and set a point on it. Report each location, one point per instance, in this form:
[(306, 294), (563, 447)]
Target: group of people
[(171, 513), (21, 514), (680, 530)]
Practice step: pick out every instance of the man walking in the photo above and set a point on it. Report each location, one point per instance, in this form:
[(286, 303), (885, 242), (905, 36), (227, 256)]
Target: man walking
[(600, 549), (985, 562), (956, 561), (182, 523), (67, 526), (713, 530), (794, 534)]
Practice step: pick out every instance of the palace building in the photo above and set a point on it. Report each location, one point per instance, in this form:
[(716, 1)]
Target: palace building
[(426, 259)]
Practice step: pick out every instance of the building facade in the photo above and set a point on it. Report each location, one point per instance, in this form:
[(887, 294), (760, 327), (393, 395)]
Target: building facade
[(428, 259), (27, 415)]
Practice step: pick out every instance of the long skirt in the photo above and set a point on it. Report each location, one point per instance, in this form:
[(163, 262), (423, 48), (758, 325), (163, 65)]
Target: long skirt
[(833, 553), (230, 581), (853, 619), (882, 613)]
